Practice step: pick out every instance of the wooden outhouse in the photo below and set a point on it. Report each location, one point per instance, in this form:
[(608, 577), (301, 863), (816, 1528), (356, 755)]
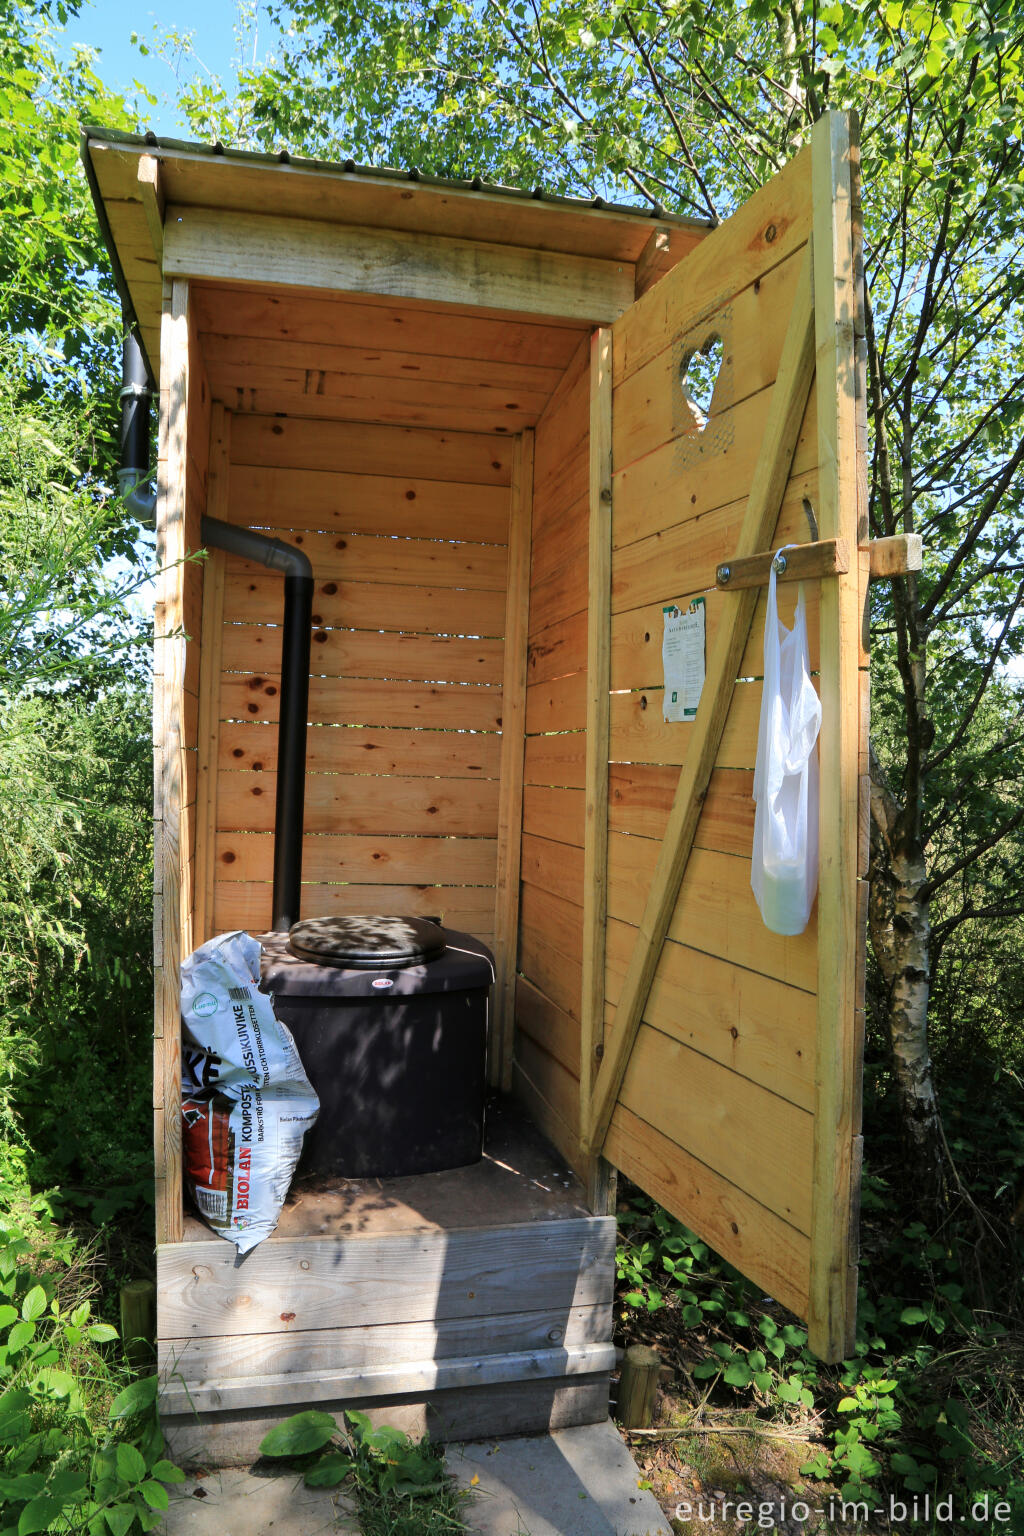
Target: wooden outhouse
[(474, 410)]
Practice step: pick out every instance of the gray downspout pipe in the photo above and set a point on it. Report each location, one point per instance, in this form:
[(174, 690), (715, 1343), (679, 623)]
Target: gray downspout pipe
[(291, 731), (134, 479)]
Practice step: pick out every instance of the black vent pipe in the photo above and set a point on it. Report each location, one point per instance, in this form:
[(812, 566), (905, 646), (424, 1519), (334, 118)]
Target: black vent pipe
[(291, 731)]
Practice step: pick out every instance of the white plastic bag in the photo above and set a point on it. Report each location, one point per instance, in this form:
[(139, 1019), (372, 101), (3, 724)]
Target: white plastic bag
[(246, 1101), (784, 866)]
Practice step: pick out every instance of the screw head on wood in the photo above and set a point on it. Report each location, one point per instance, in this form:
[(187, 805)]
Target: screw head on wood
[(723, 573), (779, 564)]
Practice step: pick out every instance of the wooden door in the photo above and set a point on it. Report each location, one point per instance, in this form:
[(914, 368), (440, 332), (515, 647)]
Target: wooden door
[(724, 1074)]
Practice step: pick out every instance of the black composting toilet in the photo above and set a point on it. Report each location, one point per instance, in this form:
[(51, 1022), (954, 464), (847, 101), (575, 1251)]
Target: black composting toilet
[(389, 1015)]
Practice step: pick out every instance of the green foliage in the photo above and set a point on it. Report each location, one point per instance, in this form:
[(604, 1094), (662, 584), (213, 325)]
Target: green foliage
[(75, 786), (400, 1486), (65, 618), (78, 1451), (921, 1404), (54, 278)]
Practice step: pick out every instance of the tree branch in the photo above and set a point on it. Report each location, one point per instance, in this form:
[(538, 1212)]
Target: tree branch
[(655, 80), (936, 882)]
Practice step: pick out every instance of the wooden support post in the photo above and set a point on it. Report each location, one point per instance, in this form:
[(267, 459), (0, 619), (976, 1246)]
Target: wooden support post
[(513, 744), (174, 367), (138, 1322), (638, 1386), (785, 417), (209, 680), (601, 1179), (835, 1155)]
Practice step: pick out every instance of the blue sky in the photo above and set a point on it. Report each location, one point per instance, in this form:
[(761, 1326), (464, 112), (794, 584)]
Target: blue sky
[(108, 25)]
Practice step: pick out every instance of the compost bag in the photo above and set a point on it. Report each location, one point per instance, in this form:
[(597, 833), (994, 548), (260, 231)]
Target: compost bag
[(246, 1100), (784, 866)]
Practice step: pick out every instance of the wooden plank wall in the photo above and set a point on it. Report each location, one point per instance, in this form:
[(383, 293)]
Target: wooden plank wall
[(407, 533), (181, 500), (548, 993), (715, 1117)]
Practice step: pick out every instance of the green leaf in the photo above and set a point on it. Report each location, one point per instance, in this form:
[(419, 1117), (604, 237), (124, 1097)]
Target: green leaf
[(738, 1374), (38, 1514), (24, 1486), (407, 1490), (7, 1315), (901, 1462), (155, 1495), (20, 1335), (297, 1436), (120, 1518), (131, 1464), (167, 1472), (56, 1382), (34, 1304), (913, 1315), (101, 1333), (136, 1397), (819, 1467), (69, 1486), (329, 1472)]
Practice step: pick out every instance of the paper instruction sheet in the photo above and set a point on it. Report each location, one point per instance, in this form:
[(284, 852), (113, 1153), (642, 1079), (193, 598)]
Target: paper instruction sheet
[(682, 656)]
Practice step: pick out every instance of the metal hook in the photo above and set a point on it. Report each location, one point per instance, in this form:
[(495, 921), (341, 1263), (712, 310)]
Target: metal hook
[(779, 563), (809, 514)]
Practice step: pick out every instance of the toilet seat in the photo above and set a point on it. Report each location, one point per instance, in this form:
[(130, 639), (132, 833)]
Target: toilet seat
[(367, 942)]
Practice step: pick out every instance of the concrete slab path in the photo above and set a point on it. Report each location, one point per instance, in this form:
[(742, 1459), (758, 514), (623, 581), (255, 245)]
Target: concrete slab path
[(238, 1501), (572, 1482)]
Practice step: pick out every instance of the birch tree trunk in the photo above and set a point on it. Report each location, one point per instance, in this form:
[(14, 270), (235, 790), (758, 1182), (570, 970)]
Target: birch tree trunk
[(899, 920)]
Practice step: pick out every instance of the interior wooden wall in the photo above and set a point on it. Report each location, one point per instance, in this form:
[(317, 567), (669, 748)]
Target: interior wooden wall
[(547, 1046), (406, 530), (181, 501)]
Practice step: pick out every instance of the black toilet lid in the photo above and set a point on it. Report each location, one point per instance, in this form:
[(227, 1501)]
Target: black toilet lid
[(366, 943)]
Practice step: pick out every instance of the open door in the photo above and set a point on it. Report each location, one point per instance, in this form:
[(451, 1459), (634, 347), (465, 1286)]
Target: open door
[(725, 1074)]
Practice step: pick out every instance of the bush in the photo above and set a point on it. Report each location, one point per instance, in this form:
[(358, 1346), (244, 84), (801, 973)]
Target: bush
[(80, 1447), (930, 1399)]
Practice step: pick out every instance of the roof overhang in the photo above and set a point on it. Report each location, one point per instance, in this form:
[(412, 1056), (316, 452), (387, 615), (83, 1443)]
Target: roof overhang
[(313, 225)]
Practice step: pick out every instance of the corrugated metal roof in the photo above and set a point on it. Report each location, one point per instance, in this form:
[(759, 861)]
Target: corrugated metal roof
[(351, 167)]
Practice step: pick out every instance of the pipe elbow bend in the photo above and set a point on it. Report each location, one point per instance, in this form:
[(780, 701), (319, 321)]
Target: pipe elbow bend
[(288, 560), (273, 553)]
